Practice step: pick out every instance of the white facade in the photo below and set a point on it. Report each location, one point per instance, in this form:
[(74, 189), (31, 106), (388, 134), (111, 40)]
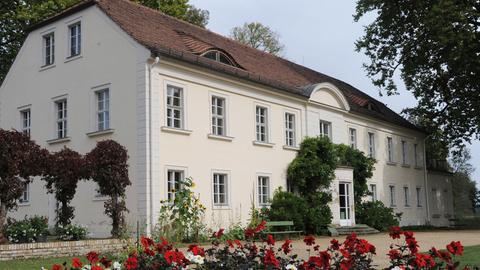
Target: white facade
[(250, 166)]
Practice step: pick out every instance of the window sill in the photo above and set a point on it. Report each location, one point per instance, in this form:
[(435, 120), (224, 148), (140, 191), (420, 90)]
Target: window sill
[(220, 137), (100, 133), (291, 148), (73, 58), (406, 165), (391, 163), (221, 207), (23, 204), (60, 140), (264, 144), (176, 130), (43, 68)]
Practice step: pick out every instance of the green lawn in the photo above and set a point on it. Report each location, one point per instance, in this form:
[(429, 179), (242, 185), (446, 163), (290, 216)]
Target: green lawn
[(471, 257)]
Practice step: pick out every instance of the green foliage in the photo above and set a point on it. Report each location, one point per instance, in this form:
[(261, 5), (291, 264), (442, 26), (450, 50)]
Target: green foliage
[(235, 231), (314, 166), (258, 36), (29, 230), (182, 219), (376, 215), (435, 48), (464, 194), (179, 9), (319, 214), (71, 232), (255, 216), (363, 167), (288, 206)]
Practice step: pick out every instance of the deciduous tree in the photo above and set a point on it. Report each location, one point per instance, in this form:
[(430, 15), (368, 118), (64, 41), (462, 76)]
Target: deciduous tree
[(258, 36), (107, 165)]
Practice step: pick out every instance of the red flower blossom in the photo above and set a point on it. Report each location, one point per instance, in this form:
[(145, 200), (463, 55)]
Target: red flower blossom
[(334, 244), (149, 252), (365, 247), (270, 240), (92, 257), (96, 267), (346, 264), (230, 243), (146, 242), (423, 260), (345, 253), (56, 267), (249, 233), (270, 259), (238, 243), (218, 234), (394, 254), (286, 247), (455, 248), (106, 262), (325, 259), (309, 240), (196, 250), (395, 232), (262, 226), (408, 235), (131, 263), (164, 245), (313, 263), (176, 257), (76, 263), (412, 245)]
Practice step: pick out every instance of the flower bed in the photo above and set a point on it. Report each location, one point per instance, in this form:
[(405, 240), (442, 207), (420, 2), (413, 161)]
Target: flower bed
[(352, 253)]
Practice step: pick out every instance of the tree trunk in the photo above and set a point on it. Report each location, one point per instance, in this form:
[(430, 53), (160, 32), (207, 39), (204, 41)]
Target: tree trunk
[(115, 217), (3, 218)]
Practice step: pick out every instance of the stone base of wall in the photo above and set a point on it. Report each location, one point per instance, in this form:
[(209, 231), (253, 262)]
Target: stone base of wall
[(62, 249)]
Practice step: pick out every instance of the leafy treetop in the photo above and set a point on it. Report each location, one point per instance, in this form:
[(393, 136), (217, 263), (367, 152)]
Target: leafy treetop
[(258, 36)]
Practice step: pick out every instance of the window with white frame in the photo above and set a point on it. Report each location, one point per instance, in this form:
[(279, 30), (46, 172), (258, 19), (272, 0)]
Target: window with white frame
[(326, 129), (25, 198), (373, 191), (406, 194), (290, 130), (26, 116), (48, 49), (175, 110), (392, 196), (390, 153), (404, 153), (371, 145), (352, 135), (103, 109), (419, 197), (220, 189), (61, 111), (263, 185), (218, 116), (174, 180), (75, 39), (415, 155), (261, 123)]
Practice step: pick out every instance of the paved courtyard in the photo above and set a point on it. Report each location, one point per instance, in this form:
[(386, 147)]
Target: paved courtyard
[(382, 241)]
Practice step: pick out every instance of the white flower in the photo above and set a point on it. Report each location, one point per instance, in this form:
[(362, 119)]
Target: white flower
[(86, 267), (290, 267), (116, 266)]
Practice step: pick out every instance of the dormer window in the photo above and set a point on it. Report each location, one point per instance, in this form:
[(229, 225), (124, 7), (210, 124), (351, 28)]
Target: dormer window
[(218, 56)]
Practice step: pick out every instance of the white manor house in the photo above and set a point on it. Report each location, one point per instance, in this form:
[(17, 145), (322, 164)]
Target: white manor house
[(187, 102)]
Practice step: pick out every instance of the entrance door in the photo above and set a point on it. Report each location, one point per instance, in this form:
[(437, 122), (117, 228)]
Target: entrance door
[(345, 210)]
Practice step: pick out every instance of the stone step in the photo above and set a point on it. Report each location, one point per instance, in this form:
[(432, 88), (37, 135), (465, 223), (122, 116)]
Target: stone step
[(359, 229)]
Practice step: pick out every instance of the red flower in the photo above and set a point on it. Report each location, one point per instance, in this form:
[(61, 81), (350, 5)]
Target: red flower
[(196, 250), (345, 253), (270, 240), (56, 267), (238, 243), (249, 233), (313, 263), (174, 257), (334, 244), (270, 259), (149, 252), (408, 235), (131, 263), (219, 233), (96, 267), (230, 243), (346, 264), (412, 245), (455, 248), (309, 240), (164, 245), (286, 247), (262, 226), (325, 258), (92, 257), (146, 242), (394, 254), (365, 247), (76, 263), (395, 232), (106, 262)]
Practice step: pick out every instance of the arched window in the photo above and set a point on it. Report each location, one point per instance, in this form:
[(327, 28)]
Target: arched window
[(219, 57)]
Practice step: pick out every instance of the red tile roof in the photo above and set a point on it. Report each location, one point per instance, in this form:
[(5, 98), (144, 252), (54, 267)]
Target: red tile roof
[(168, 36)]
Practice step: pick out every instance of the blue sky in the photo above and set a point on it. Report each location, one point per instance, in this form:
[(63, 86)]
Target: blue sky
[(318, 34)]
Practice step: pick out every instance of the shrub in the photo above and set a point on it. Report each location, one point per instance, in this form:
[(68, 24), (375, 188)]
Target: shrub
[(288, 206), (29, 230), (376, 215), (234, 232), (71, 232), (319, 214)]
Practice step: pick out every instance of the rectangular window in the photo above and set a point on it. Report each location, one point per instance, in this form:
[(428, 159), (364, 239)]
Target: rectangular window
[(326, 129), (48, 49), (373, 190), (392, 196), (218, 116), (352, 137), (174, 179), (61, 108), (406, 193), (290, 129), (415, 155), (103, 109), (263, 190), (390, 149), (25, 198), (26, 121), (174, 107), (261, 118), (75, 34), (220, 189), (419, 197), (404, 153), (371, 145)]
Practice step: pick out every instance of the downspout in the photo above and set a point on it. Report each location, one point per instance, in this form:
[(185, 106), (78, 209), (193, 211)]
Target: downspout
[(150, 151), (425, 178)]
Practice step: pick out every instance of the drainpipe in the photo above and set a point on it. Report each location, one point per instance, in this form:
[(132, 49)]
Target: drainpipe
[(156, 60), (425, 178)]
